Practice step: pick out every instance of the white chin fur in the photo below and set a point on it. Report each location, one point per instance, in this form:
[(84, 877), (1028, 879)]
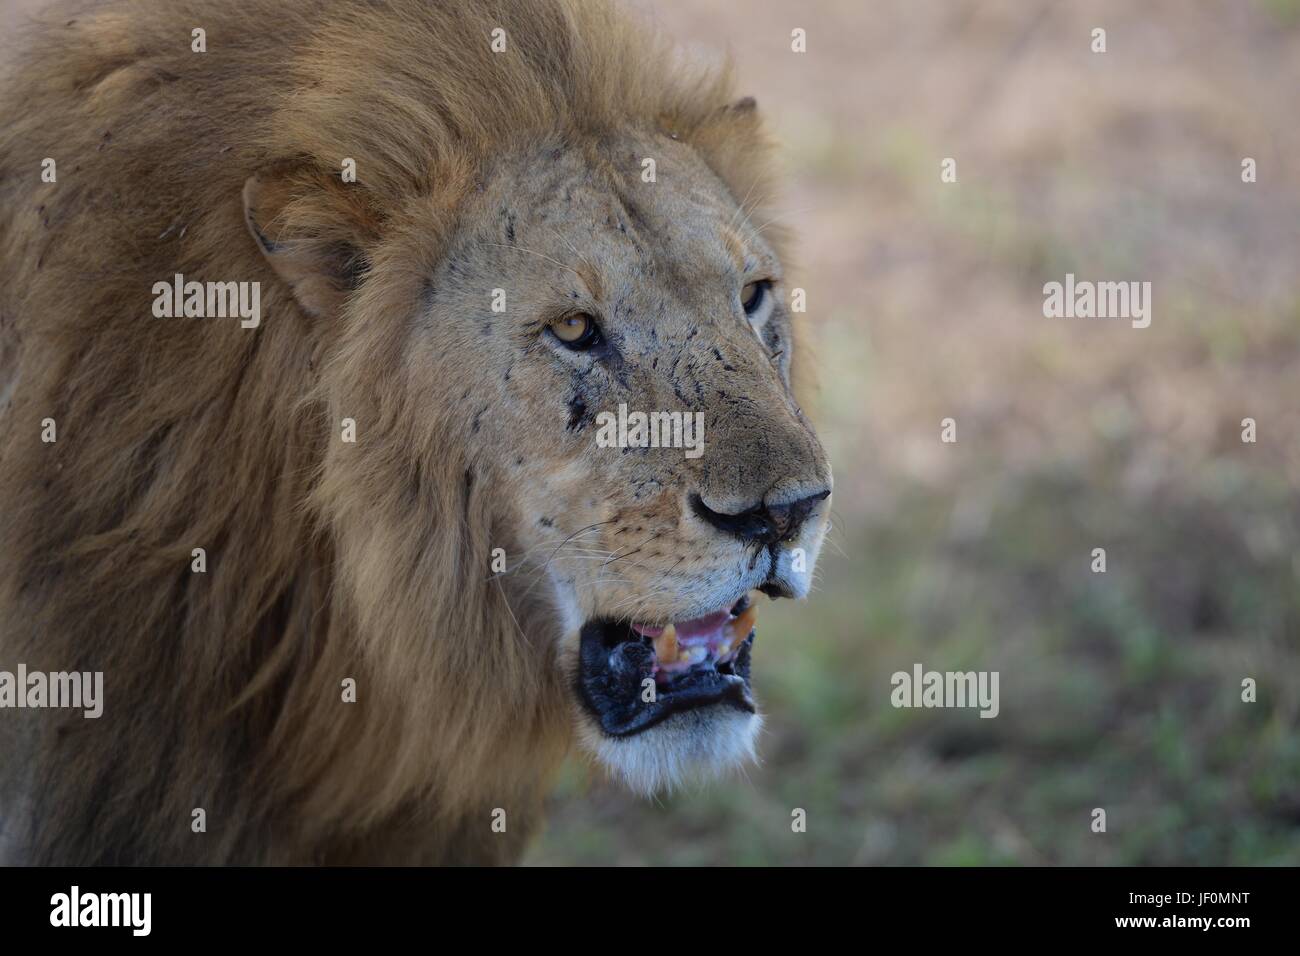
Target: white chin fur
[(692, 745)]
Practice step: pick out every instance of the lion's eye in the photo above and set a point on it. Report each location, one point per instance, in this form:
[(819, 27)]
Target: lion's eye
[(578, 331), (753, 296)]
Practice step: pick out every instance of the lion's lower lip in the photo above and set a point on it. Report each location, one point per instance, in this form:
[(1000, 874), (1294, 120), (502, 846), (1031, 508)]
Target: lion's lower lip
[(619, 667)]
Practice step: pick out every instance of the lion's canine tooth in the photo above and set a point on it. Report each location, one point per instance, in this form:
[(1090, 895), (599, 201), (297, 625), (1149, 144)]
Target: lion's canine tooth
[(666, 645), (741, 626)]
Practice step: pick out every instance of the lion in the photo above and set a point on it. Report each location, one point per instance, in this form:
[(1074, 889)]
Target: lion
[(357, 573)]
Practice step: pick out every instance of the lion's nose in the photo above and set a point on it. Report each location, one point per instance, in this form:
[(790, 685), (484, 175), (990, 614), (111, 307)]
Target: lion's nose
[(765, 523)]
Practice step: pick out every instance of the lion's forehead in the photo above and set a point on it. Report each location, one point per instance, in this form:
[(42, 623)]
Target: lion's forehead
[(641, 211)]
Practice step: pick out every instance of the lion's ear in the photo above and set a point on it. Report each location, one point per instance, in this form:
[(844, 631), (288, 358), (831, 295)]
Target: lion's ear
[(736, 145), (312, 228)]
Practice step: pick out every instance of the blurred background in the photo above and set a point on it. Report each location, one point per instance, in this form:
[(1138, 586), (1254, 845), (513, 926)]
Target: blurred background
[(1119, 690)]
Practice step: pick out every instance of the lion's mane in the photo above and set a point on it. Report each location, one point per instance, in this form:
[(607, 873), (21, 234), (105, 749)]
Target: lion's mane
[(325, 561)]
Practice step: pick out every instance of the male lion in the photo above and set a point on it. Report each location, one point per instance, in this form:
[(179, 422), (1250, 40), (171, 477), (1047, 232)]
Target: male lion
[(357, 573)]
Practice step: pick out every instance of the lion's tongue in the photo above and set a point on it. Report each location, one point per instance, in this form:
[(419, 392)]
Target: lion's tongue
[(699, 627), (702, 626)]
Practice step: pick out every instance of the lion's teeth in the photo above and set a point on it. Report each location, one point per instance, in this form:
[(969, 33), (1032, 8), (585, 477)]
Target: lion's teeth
[(741, 626), (666, 646)]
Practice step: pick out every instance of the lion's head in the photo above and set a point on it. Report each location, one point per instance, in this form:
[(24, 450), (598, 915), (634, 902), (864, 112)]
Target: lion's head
[(615, 339), (624, 298), (517, 438)]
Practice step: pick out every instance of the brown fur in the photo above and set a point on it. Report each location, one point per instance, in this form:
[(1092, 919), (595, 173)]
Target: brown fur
[(326, 560)]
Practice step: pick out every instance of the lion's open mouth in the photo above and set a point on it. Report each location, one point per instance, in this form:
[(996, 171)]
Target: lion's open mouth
[(632, 676)]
